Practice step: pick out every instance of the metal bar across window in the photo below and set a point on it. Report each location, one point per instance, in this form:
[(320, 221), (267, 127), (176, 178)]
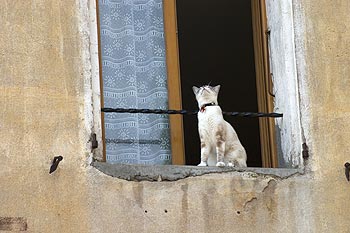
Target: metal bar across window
[(186, 112)]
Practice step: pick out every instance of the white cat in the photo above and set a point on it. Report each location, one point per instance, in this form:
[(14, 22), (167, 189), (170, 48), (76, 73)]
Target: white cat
[(220, 145)]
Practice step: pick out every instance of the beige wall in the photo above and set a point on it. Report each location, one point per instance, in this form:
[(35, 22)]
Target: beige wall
[(41, 102), (45, 84)]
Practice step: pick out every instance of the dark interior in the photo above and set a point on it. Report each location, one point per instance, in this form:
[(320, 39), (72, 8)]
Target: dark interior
[(216, 47)]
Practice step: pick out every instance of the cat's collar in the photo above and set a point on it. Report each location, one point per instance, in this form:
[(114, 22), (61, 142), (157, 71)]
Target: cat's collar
[(202, 109)]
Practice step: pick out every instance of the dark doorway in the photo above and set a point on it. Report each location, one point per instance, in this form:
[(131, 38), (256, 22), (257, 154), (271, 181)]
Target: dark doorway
[(216, 46)]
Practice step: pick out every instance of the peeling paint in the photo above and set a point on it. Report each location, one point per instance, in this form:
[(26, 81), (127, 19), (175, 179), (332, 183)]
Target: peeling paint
[(251, 201), (285, 83)]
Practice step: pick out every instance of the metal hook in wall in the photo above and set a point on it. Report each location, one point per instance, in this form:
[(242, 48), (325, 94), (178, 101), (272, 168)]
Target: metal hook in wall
[(55, 162)]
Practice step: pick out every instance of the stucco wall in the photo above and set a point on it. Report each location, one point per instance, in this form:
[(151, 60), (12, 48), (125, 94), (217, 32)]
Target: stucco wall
[(42, 78), (45, 102)]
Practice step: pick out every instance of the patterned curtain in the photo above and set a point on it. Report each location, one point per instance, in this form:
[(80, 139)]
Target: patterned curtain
[(134, 76)]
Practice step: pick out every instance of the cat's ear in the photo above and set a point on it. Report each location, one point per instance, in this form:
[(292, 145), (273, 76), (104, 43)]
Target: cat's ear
[(195, 90), (216, 89)]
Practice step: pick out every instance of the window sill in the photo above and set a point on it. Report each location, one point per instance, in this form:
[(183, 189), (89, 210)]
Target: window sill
[(175, 172)]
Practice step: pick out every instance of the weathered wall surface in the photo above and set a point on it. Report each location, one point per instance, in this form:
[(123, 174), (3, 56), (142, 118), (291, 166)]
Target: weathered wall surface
[(42, 104), (213, 203), (324, 80), (45, 85)]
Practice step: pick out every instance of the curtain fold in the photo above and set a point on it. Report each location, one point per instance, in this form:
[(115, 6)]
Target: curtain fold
[(134, 76)]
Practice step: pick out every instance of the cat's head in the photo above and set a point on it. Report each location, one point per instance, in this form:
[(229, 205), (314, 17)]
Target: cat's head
[(206, 94)]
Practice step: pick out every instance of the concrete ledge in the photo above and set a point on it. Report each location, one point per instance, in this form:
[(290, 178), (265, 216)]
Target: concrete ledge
[(174, 172)]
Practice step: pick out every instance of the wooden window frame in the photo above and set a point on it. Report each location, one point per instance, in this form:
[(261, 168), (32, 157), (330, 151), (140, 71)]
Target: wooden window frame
[(103, 128), (264, 84), (174, 83)]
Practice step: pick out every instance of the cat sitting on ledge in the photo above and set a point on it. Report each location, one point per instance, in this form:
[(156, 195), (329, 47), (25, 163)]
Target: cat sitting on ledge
[(220, 145)]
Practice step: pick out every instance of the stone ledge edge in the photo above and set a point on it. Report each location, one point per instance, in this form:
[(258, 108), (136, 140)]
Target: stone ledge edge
[(176, 172)]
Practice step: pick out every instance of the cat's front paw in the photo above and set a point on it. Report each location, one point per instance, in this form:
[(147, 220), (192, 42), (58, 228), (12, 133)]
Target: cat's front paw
[(202, 164), (220, 164), (230, 165)]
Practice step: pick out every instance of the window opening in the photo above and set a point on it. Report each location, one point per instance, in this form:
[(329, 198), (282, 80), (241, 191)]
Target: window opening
[(222, 42), (133, 27)]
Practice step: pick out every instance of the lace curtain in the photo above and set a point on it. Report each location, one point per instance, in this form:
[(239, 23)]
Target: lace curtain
[(134, 76)]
